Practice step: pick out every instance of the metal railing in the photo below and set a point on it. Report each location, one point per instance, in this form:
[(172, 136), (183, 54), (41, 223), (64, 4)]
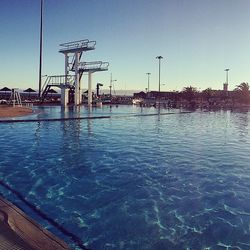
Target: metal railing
[(81, 44), (59, 80), (93, 66)]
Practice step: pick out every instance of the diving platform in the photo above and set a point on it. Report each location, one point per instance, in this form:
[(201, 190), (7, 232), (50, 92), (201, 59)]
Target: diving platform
[(93, 66), (77, 46), (90, 68)]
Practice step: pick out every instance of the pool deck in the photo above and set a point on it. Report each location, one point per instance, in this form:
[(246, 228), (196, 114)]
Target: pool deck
[(10, 111), (18, 231)]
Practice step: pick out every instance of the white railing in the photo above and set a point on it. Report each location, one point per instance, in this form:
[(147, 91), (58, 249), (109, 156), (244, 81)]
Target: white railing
[(59, 80), (81, 44), (93, 66)]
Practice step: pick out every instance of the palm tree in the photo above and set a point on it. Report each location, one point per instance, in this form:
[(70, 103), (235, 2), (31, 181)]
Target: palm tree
[(189, 93), (243, 91), (207, 94)]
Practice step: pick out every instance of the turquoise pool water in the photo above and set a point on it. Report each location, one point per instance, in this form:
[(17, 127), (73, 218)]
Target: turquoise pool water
[(177, 181)]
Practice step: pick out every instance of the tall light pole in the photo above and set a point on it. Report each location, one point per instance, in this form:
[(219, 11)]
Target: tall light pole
[(159, 58), (227, 75), (110, 86), (41, 50), (148, 79)]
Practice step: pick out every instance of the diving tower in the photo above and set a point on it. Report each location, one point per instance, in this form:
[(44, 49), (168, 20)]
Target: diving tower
[(71, 82), (75, 50)]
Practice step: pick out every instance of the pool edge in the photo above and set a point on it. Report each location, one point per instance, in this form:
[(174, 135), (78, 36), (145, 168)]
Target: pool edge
[(30, 232)]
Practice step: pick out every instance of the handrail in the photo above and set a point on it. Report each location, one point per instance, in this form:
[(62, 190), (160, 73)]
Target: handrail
[(69, 43), (45, 83), (78, 45), (59, 80), (95, 66)]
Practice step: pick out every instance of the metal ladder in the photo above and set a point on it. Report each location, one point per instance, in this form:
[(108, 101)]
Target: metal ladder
[(15, 98)]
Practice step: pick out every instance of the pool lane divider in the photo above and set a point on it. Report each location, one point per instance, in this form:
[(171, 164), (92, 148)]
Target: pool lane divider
[(74, 238), (86, 118)]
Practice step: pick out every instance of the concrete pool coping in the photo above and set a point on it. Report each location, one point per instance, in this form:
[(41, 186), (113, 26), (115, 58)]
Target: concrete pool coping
[(18, 231)]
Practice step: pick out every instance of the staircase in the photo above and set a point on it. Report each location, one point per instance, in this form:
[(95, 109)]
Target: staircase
[(60, 81)]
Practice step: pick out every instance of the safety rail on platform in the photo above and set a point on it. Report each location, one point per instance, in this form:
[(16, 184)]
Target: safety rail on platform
[(77, 45), (93, 66), (60, 81)]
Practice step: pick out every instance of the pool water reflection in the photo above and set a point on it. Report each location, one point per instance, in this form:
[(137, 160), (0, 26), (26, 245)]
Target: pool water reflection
[(178, 181)]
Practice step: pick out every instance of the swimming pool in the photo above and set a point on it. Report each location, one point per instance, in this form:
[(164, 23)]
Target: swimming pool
[(177, 181)]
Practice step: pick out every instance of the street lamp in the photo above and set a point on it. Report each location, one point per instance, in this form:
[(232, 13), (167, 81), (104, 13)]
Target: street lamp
[(227, 75), (41, 50), (148, 80), (110, 86), (159, 58)]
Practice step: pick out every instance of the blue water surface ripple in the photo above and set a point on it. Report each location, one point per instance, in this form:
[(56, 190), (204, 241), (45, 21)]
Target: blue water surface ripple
[(177, 181)]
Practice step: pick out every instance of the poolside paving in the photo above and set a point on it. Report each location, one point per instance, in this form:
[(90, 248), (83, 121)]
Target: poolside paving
[(10, 111), (18, 231)]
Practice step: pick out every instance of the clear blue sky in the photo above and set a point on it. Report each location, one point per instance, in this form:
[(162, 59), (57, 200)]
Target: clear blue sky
[(197, 38)]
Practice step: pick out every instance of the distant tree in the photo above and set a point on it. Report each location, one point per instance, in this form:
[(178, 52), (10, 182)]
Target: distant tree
[(243, 92), (189, 93), (207, 94)]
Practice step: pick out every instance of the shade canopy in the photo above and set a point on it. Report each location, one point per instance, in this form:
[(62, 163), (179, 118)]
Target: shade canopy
[(52, 91), (5, 89), (29, 90)]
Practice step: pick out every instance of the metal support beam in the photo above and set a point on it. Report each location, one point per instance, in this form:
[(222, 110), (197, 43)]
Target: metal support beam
[(64, 96), (64, 90), (159, 58)]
